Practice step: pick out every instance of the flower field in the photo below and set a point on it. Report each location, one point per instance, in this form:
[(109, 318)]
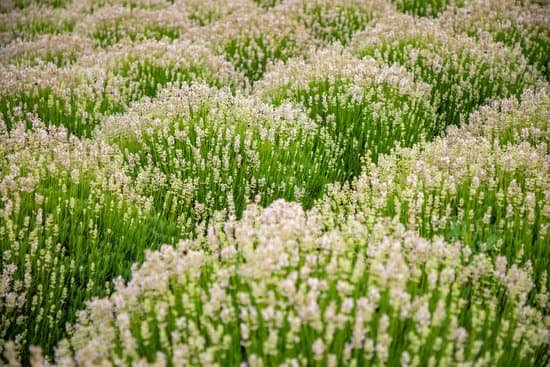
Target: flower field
[(275, 183)]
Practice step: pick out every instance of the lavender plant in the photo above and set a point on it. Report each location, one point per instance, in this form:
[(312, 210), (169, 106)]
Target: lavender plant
[(465, 73), (274, 182), (285, 292)]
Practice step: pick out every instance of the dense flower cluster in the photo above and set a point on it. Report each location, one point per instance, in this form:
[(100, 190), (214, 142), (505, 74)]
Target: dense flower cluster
[(105, 82), (205, 12), (109, 25), (66, 203), (254, 39), (464, 72), (198, 149), (330, 20), (507, 21), (59, 49), (426, 7), (35, 20), (365, 106), (278, 290), (274, 182), (486, 184)]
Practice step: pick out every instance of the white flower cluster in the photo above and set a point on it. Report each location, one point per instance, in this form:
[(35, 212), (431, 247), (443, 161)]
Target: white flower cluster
[(523, 25), (285, 292), (198, 149), (59, 49), (100, 83), (34, 20), (512, 121), (111, 24), (64, 202), (364, 105), (256, 38), (205, 12), (464, 72), (336, 64), (486, 184), (274, 182), (427, 7), (335, 20)]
